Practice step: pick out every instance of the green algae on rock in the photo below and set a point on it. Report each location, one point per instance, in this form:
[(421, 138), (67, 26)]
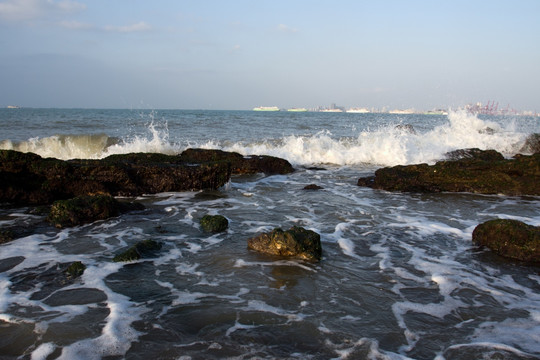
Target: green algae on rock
[(138, 251), (509, 238), (214, 223), (295, 242)]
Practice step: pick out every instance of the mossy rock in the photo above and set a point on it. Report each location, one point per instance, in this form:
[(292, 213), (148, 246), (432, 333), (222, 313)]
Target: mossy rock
[(214, 223), (295, 242), (82, 210), (510, 238), (142, 249), (75, 270)]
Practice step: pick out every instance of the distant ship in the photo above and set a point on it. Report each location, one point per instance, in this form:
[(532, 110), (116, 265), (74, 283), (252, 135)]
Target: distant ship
[(297, 109), (13, 107), (331, 110), (266, 108)]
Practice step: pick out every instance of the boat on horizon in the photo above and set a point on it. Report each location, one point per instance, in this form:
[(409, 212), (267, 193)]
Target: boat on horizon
[(266, 108)]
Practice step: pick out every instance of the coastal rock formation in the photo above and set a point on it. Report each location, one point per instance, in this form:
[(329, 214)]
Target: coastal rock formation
[(28, 179), (510, 238), (214, 223), (251, 164), (484, 172), (295, 242)]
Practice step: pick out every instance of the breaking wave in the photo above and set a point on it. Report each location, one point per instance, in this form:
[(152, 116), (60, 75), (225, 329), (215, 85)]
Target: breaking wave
[(386, 145)]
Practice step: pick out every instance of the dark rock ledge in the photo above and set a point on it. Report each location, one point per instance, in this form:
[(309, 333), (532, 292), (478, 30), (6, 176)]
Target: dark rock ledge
[(469, 170), (29, 179)]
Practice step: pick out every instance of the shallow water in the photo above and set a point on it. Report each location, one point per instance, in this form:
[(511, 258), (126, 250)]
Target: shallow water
[(399, 277)]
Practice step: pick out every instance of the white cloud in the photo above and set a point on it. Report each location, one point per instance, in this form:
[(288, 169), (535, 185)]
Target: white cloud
[(286, 29), (21, 10), (140, 26)]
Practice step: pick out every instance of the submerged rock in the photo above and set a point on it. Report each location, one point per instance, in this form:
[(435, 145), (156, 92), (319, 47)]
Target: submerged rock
[(142, 249), (295, 242), (313, 187), (84, 209), (214, 223), (75, 269), (485, 172), (509, 238)]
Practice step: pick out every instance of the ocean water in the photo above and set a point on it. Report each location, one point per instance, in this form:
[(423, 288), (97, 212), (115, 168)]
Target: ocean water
[(399, 278)]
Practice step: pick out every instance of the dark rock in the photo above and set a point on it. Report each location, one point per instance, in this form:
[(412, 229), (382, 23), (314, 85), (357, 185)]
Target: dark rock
[(474, 154), (76, 297), (48, 277), (142, 249), (406, 128), (83, 210), (313, 187), (531, 145), (518, 176), (252, 164), (510, 238), (214, 223), (9, 263), (295, 242), (487, 130), (26, 178), (75, 269)]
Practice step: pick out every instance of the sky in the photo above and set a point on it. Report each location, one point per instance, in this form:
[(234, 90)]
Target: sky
[(235, 55)]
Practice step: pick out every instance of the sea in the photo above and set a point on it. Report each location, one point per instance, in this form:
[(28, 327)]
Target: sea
[(399, 277)]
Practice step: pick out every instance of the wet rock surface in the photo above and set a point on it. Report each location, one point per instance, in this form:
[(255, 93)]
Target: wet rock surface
[(476, 171), (296, 242), (509, 238)]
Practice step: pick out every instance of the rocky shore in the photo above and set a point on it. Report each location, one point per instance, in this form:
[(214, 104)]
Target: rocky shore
[(28, 179), (470, 170)]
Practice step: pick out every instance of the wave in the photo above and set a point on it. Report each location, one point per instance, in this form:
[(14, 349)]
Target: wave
[(386, 145)]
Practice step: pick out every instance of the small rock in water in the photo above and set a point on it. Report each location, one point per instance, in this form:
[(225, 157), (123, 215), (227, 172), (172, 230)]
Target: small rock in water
[(510, 238), (313, 187), (214, 223), (295, 242), (140, 250)]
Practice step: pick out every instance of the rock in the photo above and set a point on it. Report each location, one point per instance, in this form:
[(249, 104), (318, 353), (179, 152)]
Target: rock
[(214, 223), (313, 187), (496, 175), (509, 238), (75, 269), (406, 128), (295, 242), (140, 250), (252, 164), (474, 154), (83, 210), (28, 179), (531, 145)]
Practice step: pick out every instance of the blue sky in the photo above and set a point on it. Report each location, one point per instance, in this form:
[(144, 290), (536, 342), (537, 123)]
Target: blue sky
[(240, 54)]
